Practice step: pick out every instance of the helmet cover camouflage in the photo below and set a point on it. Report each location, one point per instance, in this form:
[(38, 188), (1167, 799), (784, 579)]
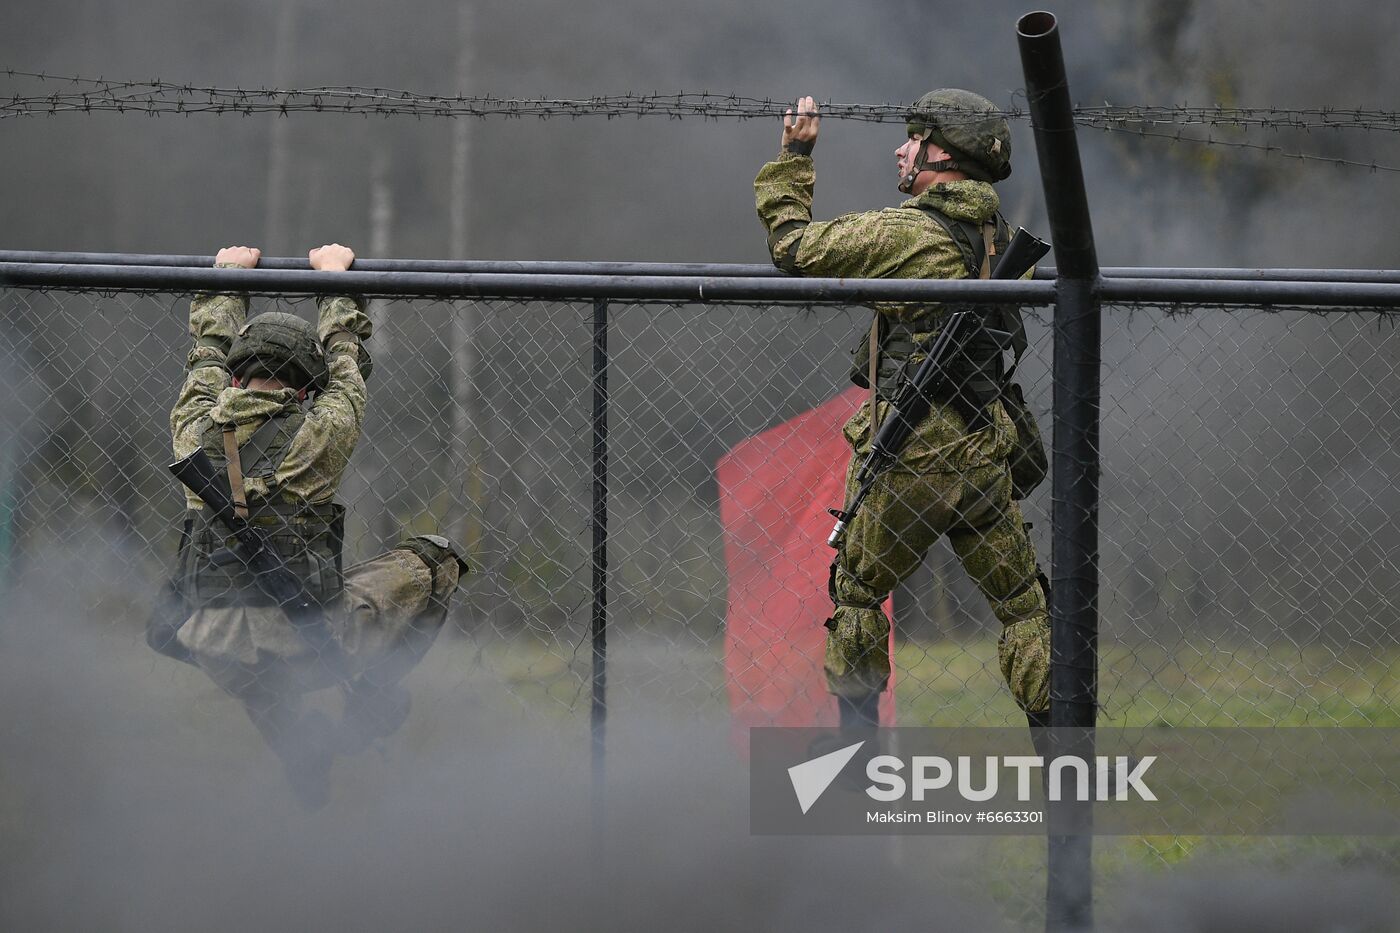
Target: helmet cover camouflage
[(283, 346), (970, 127)]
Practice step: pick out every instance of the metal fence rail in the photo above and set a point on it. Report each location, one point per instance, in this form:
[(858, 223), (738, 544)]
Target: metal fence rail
[(714, 269)]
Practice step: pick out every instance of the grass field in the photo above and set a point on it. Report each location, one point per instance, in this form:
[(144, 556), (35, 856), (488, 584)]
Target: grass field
[(1195, 684)]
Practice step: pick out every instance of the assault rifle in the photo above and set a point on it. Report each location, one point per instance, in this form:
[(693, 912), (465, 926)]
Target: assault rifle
[(269, 570), (915, 397)]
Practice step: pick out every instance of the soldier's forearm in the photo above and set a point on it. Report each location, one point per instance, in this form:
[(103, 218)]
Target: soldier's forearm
[(783, 190), (343, 314), (328, 436), (783, 198), (197, 395), (214, 321)]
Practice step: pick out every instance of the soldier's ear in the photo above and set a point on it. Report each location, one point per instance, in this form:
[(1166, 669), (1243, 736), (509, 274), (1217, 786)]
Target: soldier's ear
[(301, 395), (236, 383)]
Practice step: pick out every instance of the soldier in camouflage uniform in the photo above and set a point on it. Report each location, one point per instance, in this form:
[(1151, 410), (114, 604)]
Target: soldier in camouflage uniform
[(243, 401), (953, 476)]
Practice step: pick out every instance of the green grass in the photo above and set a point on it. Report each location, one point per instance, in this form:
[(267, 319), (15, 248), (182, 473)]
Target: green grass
[(1196, 684), (957, 683)]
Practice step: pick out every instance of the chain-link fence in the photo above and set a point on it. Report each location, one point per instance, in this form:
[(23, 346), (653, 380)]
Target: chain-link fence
[(1248, 547), (1248, 537), (1249, 542), (490, 442), (1248, 551)]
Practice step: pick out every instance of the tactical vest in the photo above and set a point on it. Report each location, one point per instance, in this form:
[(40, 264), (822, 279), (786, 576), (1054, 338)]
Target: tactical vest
[(974, 380), (307, 537)]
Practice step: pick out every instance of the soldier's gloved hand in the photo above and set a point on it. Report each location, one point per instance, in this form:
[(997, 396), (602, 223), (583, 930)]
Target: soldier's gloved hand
[(243, 256), (800, 132), (331, 258)]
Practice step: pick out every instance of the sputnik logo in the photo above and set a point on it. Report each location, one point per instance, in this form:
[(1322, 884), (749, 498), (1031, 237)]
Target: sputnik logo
[(811, 778)]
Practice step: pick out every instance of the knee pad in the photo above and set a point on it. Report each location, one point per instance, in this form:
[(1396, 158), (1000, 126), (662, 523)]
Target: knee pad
[(1030, 601), (435, 550), (438, 553), (847, 590), (1024, 655), (857, 658)]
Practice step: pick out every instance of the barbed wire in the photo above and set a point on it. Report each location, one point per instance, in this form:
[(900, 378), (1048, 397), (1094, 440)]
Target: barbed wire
[(1273, 118), (1267, 149), (161, 97), (156, 97), (1237, 309)]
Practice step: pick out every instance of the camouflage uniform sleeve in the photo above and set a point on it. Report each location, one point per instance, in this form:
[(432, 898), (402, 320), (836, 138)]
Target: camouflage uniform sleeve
[(342, 326), (345, 314), (892, 243), (214, 322), (783, 198), (321, 450)]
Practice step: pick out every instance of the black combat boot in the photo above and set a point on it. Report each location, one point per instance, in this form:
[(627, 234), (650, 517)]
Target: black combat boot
[(1044, 747), (860, 722), (307, 751), (372, 711), (860, 716)]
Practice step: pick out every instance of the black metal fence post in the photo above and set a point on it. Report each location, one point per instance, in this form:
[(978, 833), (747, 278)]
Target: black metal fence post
[(1075, 477), (598, 709)]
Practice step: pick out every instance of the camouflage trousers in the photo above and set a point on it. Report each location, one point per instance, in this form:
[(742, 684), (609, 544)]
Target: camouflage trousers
[(386, 619), (904, 514)]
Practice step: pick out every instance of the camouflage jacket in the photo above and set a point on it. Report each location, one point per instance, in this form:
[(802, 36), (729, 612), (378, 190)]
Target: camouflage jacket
[(896, 242), (321, 449)]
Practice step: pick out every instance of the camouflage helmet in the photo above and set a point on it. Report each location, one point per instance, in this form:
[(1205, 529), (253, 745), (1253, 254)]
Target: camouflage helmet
[(970, 127), (283, 346)]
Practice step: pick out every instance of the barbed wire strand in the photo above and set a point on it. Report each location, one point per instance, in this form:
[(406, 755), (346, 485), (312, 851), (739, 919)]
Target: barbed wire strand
[(1265, 148), (157, 97)]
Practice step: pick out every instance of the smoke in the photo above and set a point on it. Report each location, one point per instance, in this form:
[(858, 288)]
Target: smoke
[(135, 797), (1221, 897)]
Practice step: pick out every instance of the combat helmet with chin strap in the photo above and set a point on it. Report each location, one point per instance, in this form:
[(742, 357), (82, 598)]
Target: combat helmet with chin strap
[(279, 344), (276, 343), (968, 127)]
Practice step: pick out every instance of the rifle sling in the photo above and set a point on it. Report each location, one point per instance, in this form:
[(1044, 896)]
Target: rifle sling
[(235, 472), (874, 366), (1019, 345), (874, 392)]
